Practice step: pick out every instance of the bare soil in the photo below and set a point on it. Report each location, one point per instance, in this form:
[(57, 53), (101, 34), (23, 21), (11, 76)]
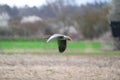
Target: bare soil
[(29, 67)]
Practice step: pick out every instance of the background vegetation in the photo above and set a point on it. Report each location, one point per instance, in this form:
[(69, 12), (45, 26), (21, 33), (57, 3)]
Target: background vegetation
[(60, 16)]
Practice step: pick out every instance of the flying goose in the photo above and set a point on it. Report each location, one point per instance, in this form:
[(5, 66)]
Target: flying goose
[(62, 41)]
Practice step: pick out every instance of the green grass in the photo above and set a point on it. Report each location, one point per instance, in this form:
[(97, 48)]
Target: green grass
[(24, 45), (43, 48), (85, 45), (51, 45)]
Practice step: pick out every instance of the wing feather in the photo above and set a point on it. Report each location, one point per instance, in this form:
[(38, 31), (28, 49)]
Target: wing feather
[(55, 36)]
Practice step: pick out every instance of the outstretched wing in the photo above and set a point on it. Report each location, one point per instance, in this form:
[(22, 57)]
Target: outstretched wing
[(55, 36), (62, 45)]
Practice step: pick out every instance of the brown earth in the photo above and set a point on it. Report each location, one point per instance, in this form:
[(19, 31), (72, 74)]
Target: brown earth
[(29, 67)]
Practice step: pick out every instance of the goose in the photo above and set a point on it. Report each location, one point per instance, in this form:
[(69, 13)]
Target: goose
[(61, 40)]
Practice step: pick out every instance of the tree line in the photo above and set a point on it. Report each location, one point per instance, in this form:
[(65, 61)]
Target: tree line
[(89, 21)]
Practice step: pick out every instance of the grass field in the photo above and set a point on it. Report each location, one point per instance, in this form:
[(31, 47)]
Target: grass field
[(43, 48), (51, 45)]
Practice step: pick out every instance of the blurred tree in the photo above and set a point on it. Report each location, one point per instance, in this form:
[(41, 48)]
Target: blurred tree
[(4, 27), (27, 29), (58, 16), (90, 20)]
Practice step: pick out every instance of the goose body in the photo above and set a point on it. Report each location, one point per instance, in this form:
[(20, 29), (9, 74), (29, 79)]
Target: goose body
[(61, 40)]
